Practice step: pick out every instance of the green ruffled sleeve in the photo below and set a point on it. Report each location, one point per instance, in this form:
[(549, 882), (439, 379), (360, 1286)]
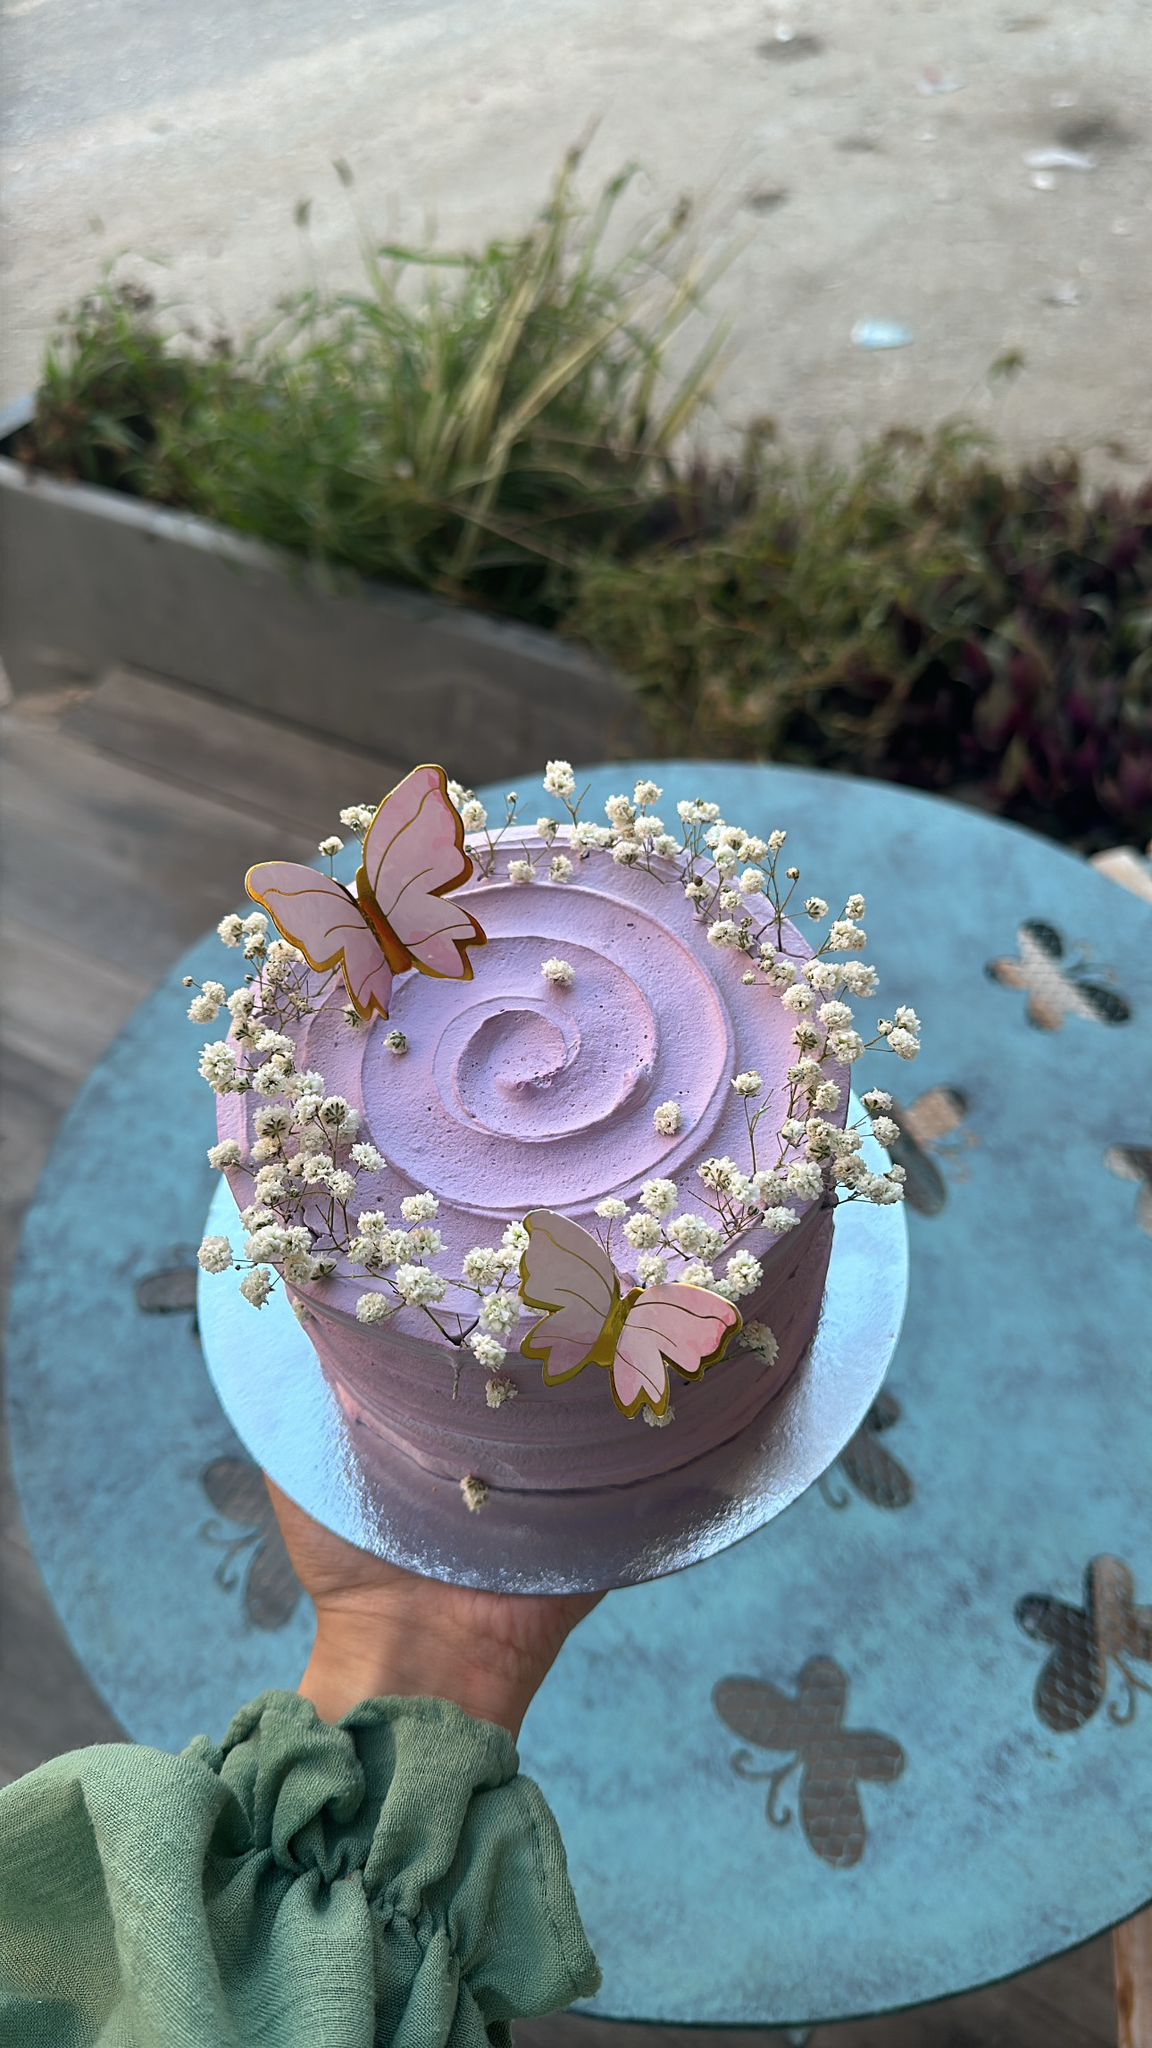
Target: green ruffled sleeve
[(389, 1881)]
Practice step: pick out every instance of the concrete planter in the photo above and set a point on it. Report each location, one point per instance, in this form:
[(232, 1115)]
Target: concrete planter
[(90, 579)]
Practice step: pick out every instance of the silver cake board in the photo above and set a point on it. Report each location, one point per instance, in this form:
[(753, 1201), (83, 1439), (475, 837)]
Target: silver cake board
[(278, 1400)]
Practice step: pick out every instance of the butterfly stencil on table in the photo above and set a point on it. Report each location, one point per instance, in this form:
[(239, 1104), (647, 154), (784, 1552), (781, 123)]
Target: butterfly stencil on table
[(1134, 1162), (869, 1465), (637, 1336), (931, 1141), (395, 917), (1084, 1643), (1058, 984), (271, 1590), (808, 1730)]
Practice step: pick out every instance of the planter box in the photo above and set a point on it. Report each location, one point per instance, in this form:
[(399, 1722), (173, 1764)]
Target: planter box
[(91, 579)]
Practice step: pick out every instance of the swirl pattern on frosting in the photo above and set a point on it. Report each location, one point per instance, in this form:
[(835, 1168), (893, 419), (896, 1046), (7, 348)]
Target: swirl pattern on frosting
[(517, 1093)]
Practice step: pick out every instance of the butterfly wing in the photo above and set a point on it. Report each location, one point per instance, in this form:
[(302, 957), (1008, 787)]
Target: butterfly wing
[(413, 857), (687, 1328), (565, 1272), (758, 1713), (318, 916), (1072, 1683)]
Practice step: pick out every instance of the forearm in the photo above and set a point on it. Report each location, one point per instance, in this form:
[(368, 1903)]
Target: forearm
[(345, 1668)]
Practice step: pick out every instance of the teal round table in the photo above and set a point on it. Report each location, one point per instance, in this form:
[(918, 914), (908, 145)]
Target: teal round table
[(897, 1744)]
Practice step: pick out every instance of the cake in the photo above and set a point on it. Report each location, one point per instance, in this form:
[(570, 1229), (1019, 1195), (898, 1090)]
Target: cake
[(643, 1048)]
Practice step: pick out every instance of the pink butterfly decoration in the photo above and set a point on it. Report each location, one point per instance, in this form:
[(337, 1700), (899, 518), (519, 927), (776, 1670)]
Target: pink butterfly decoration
[(636, 1336), (396, 917)]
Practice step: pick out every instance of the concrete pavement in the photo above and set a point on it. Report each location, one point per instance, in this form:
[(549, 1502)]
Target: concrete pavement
[(185, 134)]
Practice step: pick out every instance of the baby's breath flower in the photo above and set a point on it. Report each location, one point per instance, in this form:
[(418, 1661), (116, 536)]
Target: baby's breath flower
[(793, 874), (748, 1084), (206, 1007), (486, 1350), (845, 936), (342, 1184), (473, 815), (215, 1254), (269, 1079), (474, 1493), (357, 818), (226, 1153), (395, 1042), (626, 853), (375, 1308), (855, 907), (483, 1266), (752, 882), (846, 1046), (885, 1131), (907, 1019), (500, 1388), (798, 999), (642, 1231), (651, 1269), (418, 1285), (612, 1209), (806, 1038), (515, 1241), (759, 1338), (649, 828), (697, 812), (668, 848), (782, 973), (697, 1274), (230, 930), (521, 871), (546, 829), (751, 848), (668, 1118), (750, 978), (218, 1067), (816, 908), (352, 1017), (718, 1173), (587, 835), (695, 1236), (769, 1186), (743, 1274), (646, 793), (257, 1216), (804, 1179), (419, 1208), (729, 900), (827, 1096), (559, 972), (336, 1114), (560, 868), (620, 812), (368, 1158), (876, 1099), (273, 1119), (424, 1242), (257, 1285), (560, 780), (825, 976), (658, 1197), (903, 1043), (837, 1016), (780, 1220), (776, 841), (859, 979), (500, 1312), (695, 890), (315, 1168), (331, 846), (724, 933)]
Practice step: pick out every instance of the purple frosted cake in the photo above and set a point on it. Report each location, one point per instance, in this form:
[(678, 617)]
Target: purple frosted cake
[(543, 1127)]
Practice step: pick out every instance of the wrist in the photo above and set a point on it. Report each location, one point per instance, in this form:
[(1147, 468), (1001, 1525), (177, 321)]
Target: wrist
[(343, 1670)]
